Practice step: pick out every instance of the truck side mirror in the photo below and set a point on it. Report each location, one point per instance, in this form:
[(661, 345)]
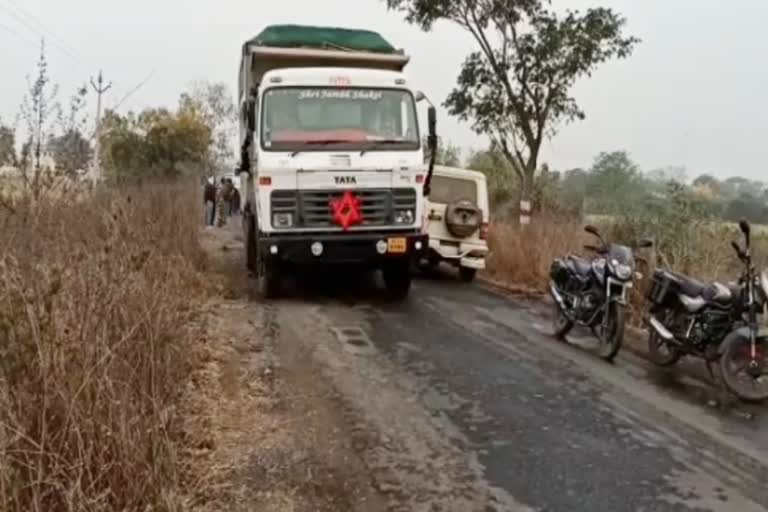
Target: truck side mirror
[(432, 142), (432, 121), (251, 114)]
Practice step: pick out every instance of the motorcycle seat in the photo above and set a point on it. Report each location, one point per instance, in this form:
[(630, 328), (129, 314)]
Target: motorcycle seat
[(580, 266), (713, 292)]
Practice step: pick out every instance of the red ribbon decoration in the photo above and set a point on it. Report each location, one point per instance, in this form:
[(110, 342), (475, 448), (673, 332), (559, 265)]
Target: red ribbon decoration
[(346, 210)]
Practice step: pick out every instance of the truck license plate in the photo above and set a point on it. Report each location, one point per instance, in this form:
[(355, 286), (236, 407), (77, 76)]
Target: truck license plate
[(396, 245)]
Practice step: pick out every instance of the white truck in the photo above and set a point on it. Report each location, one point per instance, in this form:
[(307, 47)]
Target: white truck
[(332, 161)]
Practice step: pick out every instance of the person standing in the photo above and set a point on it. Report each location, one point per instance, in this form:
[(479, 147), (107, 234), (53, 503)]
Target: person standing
[(235, 201), (209, 200), (229, 187), (221, 205)]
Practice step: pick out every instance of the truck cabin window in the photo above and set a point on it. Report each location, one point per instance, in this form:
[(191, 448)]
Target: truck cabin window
[(296, 118)]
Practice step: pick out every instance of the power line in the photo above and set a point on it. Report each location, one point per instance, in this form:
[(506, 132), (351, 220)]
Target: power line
[(16, 33), (24, 22), (133, 91), (41, 25)]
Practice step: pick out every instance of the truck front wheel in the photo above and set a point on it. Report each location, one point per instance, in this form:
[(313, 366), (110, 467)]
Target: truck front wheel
[(397, 279), (250, 243), (269, 280)]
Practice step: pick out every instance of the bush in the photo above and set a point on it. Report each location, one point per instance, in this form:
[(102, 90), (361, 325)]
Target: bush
[(94, 298)]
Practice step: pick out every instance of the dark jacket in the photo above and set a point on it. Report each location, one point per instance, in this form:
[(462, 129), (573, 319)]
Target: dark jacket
[(210, 193)]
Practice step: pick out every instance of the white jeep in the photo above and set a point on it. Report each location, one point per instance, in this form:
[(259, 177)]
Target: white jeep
[(456, 220)]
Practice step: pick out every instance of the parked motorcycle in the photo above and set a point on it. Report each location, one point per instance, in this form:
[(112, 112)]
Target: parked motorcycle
[(713, 321), (594, 293)]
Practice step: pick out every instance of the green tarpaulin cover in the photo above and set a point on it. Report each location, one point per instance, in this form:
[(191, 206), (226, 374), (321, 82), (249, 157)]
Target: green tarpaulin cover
[(301, 36)]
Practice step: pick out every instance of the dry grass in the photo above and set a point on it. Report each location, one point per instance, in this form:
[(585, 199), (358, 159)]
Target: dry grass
[(94, 299), (521, 255)]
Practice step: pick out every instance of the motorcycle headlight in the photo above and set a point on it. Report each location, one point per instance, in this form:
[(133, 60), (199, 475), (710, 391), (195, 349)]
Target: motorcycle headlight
[(404, 217), (282, 220), (623, 271)]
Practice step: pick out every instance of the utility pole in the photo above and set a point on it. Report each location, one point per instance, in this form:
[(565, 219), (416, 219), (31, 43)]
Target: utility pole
[(100, 90)]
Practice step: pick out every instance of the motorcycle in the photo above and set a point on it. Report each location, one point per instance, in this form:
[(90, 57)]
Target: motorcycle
[(594, 293), (715, 322)]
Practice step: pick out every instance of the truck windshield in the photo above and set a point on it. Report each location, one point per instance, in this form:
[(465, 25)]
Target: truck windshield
[(306, 118)]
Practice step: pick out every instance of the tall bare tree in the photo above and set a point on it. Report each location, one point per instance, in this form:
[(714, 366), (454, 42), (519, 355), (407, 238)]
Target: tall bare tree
[(516, 87)]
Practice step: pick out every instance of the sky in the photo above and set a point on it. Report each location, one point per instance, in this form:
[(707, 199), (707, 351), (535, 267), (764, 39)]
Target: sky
[(691, 94)]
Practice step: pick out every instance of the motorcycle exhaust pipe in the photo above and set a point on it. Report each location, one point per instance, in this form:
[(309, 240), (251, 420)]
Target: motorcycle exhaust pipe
[(660, 329)]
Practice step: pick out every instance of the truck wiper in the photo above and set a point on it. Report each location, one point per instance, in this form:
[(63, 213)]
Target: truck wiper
[(323, 142), (382, 141)]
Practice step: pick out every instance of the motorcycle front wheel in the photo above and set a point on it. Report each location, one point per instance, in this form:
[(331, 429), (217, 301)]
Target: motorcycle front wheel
[(610, 332), (745, 378), (561, 324)]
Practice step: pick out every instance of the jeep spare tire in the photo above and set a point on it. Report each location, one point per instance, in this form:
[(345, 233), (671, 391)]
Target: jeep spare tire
[(462, 218)]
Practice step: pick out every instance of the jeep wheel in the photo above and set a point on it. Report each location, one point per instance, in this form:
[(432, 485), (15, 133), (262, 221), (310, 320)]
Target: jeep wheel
[(397, 279), (467, 274)]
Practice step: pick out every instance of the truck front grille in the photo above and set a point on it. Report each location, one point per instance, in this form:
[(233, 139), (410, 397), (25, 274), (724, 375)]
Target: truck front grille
[(311, 208)]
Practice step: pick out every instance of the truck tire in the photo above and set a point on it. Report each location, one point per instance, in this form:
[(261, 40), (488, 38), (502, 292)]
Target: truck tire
[(397, 279), (250, 243), (269, 280)]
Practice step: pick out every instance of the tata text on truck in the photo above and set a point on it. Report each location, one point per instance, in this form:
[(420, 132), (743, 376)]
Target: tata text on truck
[(332, 160)]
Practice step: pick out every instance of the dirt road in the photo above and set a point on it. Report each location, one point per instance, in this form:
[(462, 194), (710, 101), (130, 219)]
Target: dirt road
[(458, 400)]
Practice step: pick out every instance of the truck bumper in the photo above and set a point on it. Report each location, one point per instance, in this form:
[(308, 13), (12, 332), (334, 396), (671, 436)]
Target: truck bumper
[(352, 248)]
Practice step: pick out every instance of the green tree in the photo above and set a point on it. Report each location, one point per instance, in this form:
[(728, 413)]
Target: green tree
[(747, 207), (573, 190), (71, 152), (498, 172), (157, 142), (516, 88), (707, 185), (614, 182)]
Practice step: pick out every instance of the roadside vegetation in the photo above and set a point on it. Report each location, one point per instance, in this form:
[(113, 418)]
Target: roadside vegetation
[(100, 284)]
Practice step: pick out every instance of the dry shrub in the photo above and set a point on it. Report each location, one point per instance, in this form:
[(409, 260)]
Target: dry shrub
[(94, 299), (522, 255)]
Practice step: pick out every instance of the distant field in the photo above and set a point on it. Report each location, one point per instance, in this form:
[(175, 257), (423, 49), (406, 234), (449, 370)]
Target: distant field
[(760, 229)]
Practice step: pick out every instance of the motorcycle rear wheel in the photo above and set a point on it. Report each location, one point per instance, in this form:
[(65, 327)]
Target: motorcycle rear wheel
[(661, 352)]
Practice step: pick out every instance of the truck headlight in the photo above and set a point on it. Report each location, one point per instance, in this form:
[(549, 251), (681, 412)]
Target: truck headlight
[(282, 220), (404, 217)]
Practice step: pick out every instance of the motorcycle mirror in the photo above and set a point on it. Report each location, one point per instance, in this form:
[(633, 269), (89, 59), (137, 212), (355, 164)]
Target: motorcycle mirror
[(745, 228), (645, 244), (592, 230), (737, 249)]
